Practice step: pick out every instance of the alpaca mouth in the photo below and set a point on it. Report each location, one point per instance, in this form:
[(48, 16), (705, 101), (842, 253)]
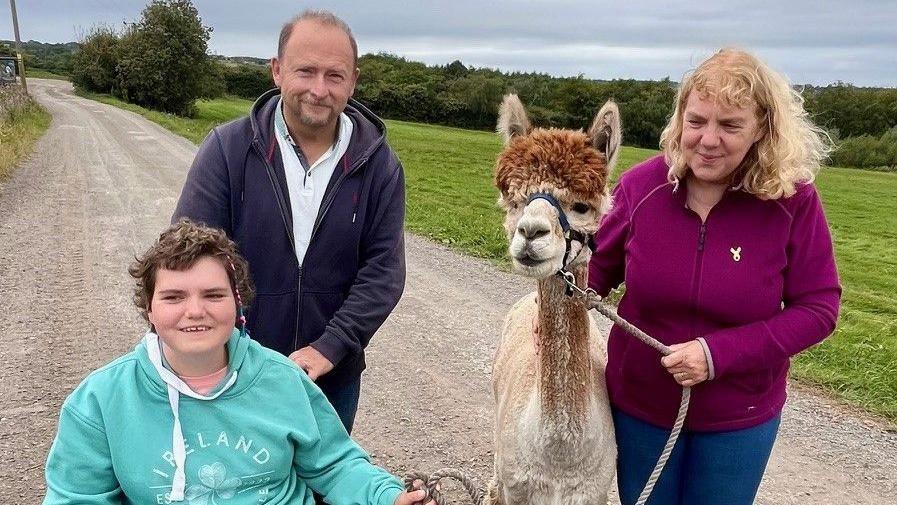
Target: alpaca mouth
[(527, 260)]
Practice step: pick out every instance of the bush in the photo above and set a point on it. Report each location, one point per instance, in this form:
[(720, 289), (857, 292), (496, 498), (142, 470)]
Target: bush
[(211, 82), (246, 80), (456, 95), (163, 58), (12, 100), (94, 63), (867, 151)]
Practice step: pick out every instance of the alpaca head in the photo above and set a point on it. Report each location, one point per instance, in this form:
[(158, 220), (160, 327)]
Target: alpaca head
[(571, 168)]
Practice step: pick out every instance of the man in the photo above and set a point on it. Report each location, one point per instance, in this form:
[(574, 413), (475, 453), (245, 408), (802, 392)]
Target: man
[(313, 195)]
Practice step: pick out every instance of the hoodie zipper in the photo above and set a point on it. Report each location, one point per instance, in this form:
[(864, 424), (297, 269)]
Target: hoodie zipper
[(325, 206), (701, 236), (281, 205)]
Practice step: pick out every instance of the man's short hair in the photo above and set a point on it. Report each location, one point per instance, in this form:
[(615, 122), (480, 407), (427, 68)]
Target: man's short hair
[(326, 18)]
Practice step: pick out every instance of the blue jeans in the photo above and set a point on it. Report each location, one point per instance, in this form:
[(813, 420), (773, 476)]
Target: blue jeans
[(344, 399), (704, 468)]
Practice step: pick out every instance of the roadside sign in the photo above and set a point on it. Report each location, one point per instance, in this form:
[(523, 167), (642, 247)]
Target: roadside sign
[(7, 69)]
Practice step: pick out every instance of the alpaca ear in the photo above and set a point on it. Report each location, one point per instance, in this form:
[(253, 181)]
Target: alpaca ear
[(605, 132), (512, 120)]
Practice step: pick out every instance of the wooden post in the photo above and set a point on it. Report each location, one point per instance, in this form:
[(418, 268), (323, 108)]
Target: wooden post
[(15, 27)]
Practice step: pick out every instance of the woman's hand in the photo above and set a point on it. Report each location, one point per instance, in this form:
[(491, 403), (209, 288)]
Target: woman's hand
[(687, 364)]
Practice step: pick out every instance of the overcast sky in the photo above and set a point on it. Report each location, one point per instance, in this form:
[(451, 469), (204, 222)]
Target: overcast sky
[(812, 41)]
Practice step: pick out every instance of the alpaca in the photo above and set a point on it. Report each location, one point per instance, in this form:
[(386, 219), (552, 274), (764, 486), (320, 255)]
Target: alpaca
[(554, 438)]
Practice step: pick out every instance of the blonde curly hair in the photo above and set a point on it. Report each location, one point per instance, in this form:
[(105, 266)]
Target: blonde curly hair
[(791, 148)]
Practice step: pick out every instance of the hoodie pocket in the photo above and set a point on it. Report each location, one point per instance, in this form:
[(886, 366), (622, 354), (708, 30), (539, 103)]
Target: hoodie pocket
[(316, 310)]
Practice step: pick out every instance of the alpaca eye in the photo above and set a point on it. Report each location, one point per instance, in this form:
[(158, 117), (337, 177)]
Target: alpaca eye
[(580, 207)]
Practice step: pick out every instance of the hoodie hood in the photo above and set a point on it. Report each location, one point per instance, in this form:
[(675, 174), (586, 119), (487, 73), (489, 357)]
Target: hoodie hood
[(175, 387)]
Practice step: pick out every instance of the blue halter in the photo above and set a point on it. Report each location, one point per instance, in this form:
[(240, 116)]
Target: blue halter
[(569, 233), (565, 224)]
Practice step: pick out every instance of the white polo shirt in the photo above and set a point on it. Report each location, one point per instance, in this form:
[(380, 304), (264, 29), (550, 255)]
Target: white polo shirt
[(306, 184)]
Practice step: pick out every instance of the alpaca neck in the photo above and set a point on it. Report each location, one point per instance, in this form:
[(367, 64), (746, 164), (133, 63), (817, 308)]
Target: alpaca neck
[(565, 370)]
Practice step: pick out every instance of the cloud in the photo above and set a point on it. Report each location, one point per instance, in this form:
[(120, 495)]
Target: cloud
[(818, 42)]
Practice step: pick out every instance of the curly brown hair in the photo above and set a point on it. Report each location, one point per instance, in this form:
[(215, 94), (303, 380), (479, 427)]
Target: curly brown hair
[(179, 248)]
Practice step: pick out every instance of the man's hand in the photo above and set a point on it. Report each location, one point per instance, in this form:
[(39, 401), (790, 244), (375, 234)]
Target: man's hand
[(313, 362), (687, 364)]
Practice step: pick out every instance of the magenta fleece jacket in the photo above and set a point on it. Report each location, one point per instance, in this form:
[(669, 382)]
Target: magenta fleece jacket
[(757, 280)]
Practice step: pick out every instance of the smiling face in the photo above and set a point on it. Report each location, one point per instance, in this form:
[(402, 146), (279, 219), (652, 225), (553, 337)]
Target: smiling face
[(716, 137), (316, 75), (193, 311)]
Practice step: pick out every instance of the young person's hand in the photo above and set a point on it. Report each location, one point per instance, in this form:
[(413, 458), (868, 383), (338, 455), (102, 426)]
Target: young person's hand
[(414, 497), (313, 362), (411, 497)]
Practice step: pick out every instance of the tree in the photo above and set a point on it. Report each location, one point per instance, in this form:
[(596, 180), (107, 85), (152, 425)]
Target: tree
[(162, 57), (211, 83), (94, 62)]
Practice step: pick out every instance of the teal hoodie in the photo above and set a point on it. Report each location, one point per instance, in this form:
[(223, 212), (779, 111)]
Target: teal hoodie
[(266, 435)]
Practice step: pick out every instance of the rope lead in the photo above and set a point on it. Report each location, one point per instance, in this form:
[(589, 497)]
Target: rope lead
[(431, 482), (593, 301)]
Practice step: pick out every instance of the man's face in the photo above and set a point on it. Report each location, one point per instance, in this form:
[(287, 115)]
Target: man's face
[(316, 75)]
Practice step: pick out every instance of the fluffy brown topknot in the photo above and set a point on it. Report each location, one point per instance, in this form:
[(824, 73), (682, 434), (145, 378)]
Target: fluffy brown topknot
[(562, 160)]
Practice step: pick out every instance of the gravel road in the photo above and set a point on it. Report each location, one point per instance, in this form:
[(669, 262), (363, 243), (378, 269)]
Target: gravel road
[(100, 186)]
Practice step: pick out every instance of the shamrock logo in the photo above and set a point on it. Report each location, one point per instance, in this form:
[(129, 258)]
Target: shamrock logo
[(215, 486)]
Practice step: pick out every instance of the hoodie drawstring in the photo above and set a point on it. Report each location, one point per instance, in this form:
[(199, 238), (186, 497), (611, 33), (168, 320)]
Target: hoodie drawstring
[(178, 449), (177, 387)]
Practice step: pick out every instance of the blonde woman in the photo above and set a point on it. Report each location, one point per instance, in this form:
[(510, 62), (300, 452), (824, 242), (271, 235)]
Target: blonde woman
[(726, 256)]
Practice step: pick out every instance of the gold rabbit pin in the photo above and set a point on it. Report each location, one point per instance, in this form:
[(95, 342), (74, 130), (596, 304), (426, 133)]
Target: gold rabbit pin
[(736, 253)]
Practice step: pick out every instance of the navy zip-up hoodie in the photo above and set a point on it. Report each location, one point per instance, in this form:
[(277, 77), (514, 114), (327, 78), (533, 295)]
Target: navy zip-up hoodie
[(353, 273)]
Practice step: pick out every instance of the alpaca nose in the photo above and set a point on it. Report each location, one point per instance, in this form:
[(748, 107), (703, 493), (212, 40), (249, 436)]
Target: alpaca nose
[(532, 229)]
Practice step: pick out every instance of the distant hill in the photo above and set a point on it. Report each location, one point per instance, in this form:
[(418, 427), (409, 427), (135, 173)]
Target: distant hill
[(41, 48), (240, 60), (56, 58)]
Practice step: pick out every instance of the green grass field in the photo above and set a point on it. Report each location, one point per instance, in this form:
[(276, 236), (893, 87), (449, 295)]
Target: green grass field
[(451, 199)]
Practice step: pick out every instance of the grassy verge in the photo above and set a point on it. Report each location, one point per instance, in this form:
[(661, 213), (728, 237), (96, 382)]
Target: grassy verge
[(451, 199), (44, 74), (21, 124), (210, 113)]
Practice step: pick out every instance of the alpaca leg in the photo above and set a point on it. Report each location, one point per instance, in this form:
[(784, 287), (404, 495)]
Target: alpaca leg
[(493, 493)]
